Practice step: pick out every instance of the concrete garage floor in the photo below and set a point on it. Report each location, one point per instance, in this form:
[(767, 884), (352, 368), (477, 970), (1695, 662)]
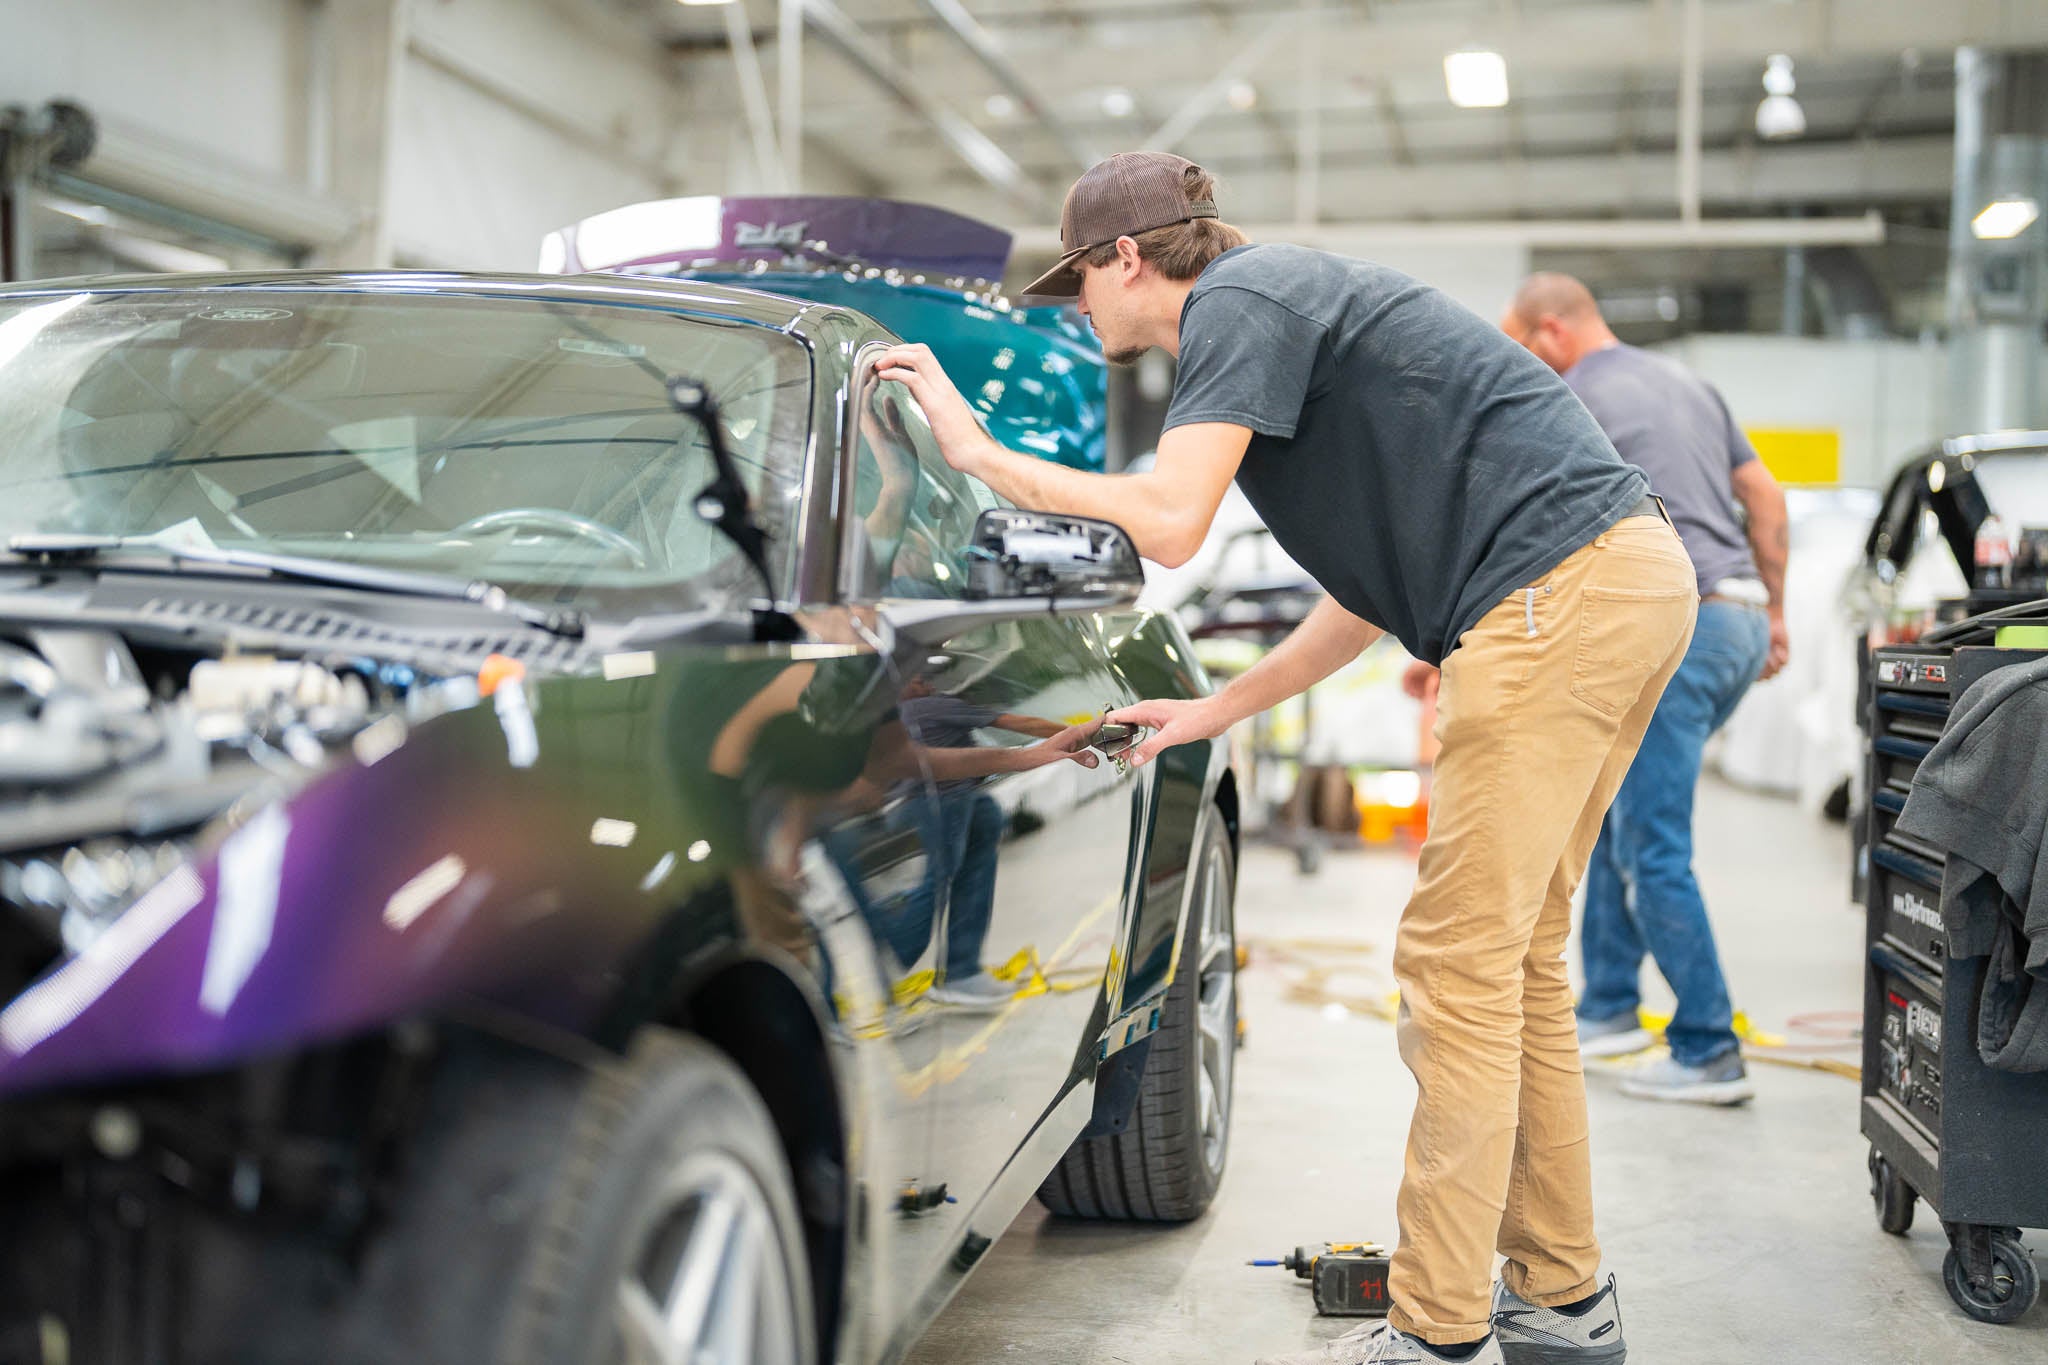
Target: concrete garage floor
[(1739, 1235)]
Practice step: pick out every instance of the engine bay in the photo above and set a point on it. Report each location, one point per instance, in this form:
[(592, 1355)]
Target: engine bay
[(119, 761)]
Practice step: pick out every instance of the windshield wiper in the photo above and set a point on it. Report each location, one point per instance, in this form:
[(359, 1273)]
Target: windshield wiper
[(58, 548), (723, 502)]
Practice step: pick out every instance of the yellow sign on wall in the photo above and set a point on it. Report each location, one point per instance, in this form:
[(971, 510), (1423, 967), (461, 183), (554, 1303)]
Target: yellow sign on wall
[(1799, 454)]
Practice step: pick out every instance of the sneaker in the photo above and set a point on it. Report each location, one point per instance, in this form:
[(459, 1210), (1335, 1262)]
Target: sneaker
[(1724, 1081), (1379, 1343), (978, 992), (1529, 1335), (1616, 1037)]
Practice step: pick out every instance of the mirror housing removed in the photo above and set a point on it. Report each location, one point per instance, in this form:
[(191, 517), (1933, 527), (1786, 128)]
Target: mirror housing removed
[(1027, 564), (1019, 554)]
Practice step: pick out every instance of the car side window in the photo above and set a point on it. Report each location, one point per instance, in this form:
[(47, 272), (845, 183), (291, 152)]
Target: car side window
[(913, 514)]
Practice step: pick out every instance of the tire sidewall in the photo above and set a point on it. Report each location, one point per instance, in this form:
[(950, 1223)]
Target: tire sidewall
[(636, 1123), (1186, 1005)]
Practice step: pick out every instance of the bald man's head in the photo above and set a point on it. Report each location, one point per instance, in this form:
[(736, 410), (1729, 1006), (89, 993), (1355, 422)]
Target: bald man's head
[(1556, 317)]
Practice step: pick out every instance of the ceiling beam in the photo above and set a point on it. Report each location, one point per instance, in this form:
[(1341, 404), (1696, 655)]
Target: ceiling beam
[(1565, 38), (972, 146), (1605, 233), (1184, 120), (1847, 173), (985, 49)]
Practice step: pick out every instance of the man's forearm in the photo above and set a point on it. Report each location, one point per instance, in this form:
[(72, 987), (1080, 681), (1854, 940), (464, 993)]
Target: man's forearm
[(1330, 638), (1160, 531), (1770, 541)]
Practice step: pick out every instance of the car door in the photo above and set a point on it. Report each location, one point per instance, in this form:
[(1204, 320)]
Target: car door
[(1026, 840)]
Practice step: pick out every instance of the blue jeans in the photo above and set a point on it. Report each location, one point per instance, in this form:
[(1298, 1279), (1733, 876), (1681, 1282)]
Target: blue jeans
[(1640, 890), (962, 832)]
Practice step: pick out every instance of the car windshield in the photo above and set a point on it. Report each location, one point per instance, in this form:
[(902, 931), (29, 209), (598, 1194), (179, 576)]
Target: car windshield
[(525, 441)]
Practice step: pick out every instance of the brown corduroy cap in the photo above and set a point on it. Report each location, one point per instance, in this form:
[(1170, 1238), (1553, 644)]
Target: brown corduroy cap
[(1130, 193)]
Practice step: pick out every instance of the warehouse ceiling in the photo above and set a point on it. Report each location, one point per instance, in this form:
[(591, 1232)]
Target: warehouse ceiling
[(1335, 112)]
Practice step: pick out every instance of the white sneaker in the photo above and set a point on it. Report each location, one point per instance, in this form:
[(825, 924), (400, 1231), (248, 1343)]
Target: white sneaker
[(1613, 1037), (978, 992), (1379, 1343), (1722, 1081), (1531, 1335)]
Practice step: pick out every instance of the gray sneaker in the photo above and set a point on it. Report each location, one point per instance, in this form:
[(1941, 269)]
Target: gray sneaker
[(1722, 1081), (1378, 1343), (978, 992), (1616, 1037), (1529, 1335)]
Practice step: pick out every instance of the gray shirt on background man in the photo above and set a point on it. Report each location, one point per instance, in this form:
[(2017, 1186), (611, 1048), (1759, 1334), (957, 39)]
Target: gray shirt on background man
[(1672, 425)]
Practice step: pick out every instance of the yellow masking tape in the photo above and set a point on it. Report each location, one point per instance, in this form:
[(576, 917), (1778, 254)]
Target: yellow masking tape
[(1799, 454)]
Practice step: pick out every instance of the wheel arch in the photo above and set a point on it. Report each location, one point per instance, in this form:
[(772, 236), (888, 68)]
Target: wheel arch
[(755, 1012)]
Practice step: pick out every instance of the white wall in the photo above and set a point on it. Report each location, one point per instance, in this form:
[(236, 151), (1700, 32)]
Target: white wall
[(1483, 278), (554, 109), (219, 74), (1883, 396)]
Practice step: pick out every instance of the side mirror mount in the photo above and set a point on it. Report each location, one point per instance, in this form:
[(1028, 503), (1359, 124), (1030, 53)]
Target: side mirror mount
[(1023, 564), (1019, 554)]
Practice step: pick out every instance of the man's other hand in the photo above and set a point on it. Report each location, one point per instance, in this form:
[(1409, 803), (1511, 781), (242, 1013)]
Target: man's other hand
[(1781, 646), (1419, 680)]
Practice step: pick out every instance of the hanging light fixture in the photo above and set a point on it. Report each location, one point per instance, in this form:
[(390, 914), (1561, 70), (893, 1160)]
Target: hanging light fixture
[(1779, 116)]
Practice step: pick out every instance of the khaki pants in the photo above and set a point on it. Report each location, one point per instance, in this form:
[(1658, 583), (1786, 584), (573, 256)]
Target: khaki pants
[(1542, 707)]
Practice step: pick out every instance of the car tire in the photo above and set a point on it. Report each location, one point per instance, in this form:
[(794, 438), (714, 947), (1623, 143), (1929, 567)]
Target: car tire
[(538, 1194), (672, 1187), (1166, 1164)]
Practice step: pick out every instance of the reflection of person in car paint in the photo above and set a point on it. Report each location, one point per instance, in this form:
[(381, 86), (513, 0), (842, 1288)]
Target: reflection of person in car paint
[(810, 766), (962, 830)]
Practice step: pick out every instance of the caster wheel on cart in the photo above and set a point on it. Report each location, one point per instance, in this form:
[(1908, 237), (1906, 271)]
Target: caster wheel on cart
[(2015, 1283), (1893, 1197)]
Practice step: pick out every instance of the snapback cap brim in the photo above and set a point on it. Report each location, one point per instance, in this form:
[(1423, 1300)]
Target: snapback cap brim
[(1063, 281)]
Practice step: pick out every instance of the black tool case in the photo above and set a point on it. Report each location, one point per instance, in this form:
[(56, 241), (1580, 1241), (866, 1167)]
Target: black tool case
[(1970, 1142)]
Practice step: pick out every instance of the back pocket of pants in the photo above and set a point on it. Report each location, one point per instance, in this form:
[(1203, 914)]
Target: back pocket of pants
[(1625, 636)]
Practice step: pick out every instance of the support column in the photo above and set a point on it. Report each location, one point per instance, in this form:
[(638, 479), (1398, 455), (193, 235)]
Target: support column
[(365, 42), (1308, 128), (1998, 284), (1792, 310), (789, 83), (1691, 42)]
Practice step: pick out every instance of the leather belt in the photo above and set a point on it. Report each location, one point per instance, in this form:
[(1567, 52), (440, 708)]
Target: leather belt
[(1650, 506)]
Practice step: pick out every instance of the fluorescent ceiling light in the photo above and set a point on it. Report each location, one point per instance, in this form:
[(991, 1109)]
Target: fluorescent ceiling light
[(1476, 80), (1243, 96), (1000, 106), (1118, 103), (694, 3), (2004, 218)]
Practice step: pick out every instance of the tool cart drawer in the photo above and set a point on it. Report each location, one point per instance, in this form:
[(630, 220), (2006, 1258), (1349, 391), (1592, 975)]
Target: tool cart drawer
[(1909, 1039), (1906, 890)]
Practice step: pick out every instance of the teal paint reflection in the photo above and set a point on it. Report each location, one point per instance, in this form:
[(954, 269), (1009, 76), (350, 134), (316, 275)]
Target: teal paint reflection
[(1036, 375)]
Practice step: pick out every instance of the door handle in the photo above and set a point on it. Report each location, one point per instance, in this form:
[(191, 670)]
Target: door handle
[(1114, 740)]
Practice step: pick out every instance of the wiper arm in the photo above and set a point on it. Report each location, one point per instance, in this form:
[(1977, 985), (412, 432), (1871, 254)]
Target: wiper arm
[(55, 548), (723, 502)]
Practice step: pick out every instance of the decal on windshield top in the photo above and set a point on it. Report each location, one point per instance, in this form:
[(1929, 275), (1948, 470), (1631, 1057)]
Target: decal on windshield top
[(245, 314)]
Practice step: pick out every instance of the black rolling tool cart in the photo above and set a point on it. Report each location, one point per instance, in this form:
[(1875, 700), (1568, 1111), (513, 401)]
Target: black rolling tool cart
[(1970, 1142)]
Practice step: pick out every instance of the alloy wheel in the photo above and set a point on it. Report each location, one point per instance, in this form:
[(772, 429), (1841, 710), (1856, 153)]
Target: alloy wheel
[(708, 1285), (1216, 1008)]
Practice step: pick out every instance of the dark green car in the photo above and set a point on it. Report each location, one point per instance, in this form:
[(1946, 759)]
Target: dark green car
[(541, 821)]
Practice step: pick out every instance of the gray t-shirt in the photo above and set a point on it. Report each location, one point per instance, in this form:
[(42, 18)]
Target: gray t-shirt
[(1669, 423), (1414, 459)]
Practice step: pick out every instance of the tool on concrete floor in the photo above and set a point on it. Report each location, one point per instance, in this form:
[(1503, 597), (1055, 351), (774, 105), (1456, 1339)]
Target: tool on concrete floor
[(1346, 1279)]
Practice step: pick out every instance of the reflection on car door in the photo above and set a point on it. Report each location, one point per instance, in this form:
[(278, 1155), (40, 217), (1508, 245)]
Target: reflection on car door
[(1008, 939)]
